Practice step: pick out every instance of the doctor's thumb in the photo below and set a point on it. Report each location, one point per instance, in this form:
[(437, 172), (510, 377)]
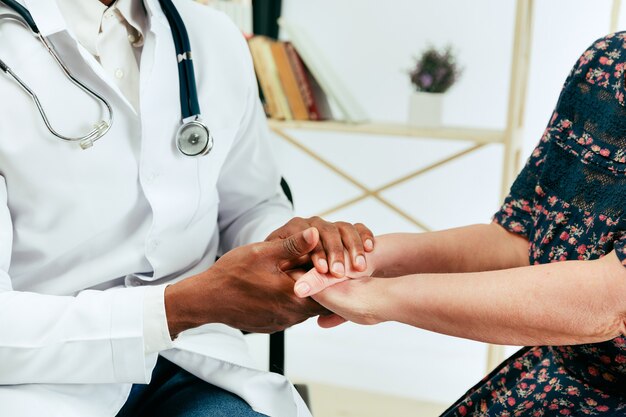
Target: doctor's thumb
[(298, 245)]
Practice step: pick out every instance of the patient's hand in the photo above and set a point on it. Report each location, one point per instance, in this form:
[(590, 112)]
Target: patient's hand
[(313, 282), (349, 299), (318, 286)]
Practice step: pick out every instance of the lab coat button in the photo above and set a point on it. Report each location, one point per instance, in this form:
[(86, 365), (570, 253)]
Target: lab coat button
[(119, 73)]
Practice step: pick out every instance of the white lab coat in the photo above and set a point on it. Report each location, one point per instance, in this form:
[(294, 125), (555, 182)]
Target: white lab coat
[(73, 223)]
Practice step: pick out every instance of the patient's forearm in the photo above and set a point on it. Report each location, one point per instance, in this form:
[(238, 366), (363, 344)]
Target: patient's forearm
[(480, 247), (561, 303)]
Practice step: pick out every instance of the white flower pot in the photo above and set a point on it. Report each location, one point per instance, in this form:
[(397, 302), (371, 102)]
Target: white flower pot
[(425, 109)]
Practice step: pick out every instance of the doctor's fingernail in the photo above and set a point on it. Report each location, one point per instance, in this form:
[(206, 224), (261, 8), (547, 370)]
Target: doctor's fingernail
[(368, 245), (308, 235), (338, 268), (302, 289), (360, 261)]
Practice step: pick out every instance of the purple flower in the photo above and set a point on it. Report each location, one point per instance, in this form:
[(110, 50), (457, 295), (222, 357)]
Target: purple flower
[(426, 80)]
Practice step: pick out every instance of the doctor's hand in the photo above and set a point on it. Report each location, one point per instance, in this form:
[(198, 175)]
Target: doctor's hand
[(328, 255), (246, 288)]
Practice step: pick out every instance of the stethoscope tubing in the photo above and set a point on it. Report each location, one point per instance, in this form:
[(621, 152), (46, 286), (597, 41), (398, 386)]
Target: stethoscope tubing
[(189, 103), (24, 14)]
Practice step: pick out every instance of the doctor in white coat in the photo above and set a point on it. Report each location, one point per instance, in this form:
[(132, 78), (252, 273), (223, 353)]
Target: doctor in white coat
[(90, 239)]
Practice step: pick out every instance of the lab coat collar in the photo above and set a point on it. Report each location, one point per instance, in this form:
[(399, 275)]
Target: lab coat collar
[(134, 13), (155, 13), (84, 18), (49, 19)]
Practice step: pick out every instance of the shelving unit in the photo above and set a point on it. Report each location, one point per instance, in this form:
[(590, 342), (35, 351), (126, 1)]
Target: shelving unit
[(510, 137)]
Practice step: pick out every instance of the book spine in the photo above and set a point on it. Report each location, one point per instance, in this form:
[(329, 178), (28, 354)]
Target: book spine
[(306, 91), (282, 106), (289, 82), (261, 69)]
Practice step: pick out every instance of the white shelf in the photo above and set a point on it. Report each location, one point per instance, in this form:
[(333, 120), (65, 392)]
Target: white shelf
[(476, 135)]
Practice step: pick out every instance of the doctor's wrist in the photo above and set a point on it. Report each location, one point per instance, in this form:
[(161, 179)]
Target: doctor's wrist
[(187, 306), (174, 312)]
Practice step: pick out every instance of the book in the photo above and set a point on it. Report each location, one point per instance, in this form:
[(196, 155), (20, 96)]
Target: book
[(303, 82), (289, 82), (261, 69), (267, 73), (276, 89), (322, 72)]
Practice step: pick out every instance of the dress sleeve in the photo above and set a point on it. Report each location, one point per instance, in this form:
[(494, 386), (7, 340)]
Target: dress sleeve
[(515, 214)]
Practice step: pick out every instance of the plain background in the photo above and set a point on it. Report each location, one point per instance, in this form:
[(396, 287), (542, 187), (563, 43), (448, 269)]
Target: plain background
[(370, 45)]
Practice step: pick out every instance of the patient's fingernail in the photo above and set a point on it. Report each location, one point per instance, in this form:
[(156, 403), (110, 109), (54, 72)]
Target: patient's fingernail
[(360, 261), (323, 264), (338, 268), (302, 289), (368, 245)]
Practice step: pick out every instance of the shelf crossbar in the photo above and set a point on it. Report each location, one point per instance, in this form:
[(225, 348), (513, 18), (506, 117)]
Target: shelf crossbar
[(375, 193)]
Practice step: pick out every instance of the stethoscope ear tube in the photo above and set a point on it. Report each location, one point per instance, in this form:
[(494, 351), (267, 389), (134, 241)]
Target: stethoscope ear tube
[(101, 127), (24, 14)]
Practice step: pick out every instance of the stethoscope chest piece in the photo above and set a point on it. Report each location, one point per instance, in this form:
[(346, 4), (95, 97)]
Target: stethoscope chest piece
[(194, 139)]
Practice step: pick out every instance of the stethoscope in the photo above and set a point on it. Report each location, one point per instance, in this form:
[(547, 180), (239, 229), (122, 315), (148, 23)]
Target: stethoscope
[(192, 137)]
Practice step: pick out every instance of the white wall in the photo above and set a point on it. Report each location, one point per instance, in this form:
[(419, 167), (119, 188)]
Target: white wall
[(370, 44)]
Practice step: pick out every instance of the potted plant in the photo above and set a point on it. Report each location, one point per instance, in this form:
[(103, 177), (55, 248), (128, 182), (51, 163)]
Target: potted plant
[(434, 72)]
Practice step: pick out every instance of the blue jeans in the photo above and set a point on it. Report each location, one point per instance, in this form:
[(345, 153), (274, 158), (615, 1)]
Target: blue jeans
[(174, 392)]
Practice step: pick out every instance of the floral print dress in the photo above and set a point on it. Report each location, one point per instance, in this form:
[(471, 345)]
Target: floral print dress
[(570, 202)]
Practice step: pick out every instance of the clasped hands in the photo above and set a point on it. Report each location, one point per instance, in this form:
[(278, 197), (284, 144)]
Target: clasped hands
[(252, 287)]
